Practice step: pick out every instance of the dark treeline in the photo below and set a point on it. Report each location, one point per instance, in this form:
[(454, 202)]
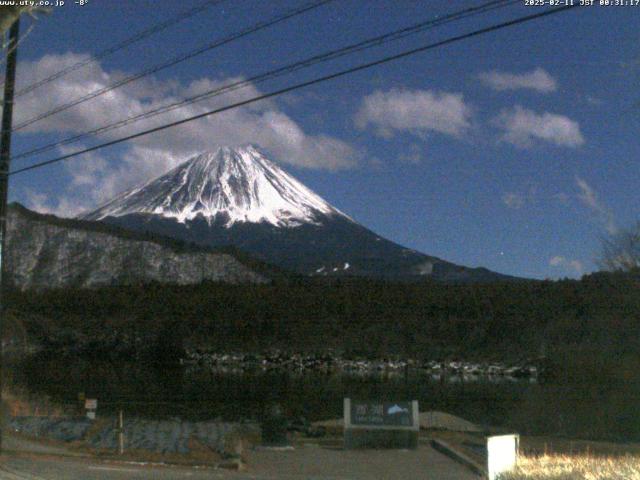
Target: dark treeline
[(508, 321)]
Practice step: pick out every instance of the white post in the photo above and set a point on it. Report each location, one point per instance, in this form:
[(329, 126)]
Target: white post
[(502, 454)]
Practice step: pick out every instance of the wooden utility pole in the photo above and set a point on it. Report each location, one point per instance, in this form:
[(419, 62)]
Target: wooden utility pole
[(5, 161)]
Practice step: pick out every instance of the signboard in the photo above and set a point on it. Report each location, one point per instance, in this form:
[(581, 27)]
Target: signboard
[(379, 424), (91, 404), (502, 454), (381, 413), (91, 414)]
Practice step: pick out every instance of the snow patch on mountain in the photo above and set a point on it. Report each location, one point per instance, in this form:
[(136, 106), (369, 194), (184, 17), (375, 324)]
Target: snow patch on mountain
[(234, 185)]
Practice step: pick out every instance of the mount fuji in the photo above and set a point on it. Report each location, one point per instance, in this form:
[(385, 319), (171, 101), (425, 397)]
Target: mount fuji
[(237, 196)]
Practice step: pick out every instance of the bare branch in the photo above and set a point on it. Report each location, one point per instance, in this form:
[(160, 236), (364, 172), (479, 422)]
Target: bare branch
[(621, 252)]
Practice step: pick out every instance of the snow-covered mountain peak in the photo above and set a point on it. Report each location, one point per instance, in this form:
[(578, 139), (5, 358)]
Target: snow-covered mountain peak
[(231, 184)]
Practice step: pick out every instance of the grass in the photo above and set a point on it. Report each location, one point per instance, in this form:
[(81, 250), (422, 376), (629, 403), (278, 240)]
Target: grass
[(582, 466), (17, 402), (553, 458)]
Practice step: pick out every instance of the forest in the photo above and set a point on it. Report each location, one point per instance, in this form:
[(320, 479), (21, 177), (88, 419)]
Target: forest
[(592, 323)]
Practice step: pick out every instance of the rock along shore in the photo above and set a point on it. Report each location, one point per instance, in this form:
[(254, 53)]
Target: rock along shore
[(299, 363)]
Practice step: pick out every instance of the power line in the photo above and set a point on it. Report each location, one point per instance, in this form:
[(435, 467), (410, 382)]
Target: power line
[(376, 41), (174, 61), (308, 83), (331, 55), (124, 44)]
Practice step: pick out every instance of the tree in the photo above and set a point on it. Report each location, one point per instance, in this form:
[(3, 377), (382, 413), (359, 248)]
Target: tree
[(621, 252), (9, 14)]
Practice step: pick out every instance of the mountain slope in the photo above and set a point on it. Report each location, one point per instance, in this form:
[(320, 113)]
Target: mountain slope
[(235, 185), (236, 196), (44, 251)]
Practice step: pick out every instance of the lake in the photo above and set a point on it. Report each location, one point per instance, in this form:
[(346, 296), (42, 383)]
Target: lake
[(151, 390)]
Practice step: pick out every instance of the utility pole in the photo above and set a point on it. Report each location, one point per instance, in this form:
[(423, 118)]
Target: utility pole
[(120, 432), (5, 160)]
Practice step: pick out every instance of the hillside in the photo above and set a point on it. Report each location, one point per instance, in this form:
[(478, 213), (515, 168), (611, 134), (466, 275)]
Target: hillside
[(45, 252)]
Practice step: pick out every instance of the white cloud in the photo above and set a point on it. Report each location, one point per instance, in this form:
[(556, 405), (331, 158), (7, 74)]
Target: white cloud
[(577, 266), (538, 80), (589, 197), (557, 260), (37, 201), (262, 123), (513, 200), (415, 111), (64, 207), (563, 262), (521, 127)]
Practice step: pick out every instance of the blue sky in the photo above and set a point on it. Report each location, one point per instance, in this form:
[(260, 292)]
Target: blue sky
[(517, 150)]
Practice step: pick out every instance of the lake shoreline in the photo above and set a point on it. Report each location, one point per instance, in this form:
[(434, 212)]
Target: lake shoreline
[(331, 363)]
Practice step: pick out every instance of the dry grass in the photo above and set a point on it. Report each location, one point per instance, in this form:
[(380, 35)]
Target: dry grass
[(18, 402), (535, 446), (576, 467)]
